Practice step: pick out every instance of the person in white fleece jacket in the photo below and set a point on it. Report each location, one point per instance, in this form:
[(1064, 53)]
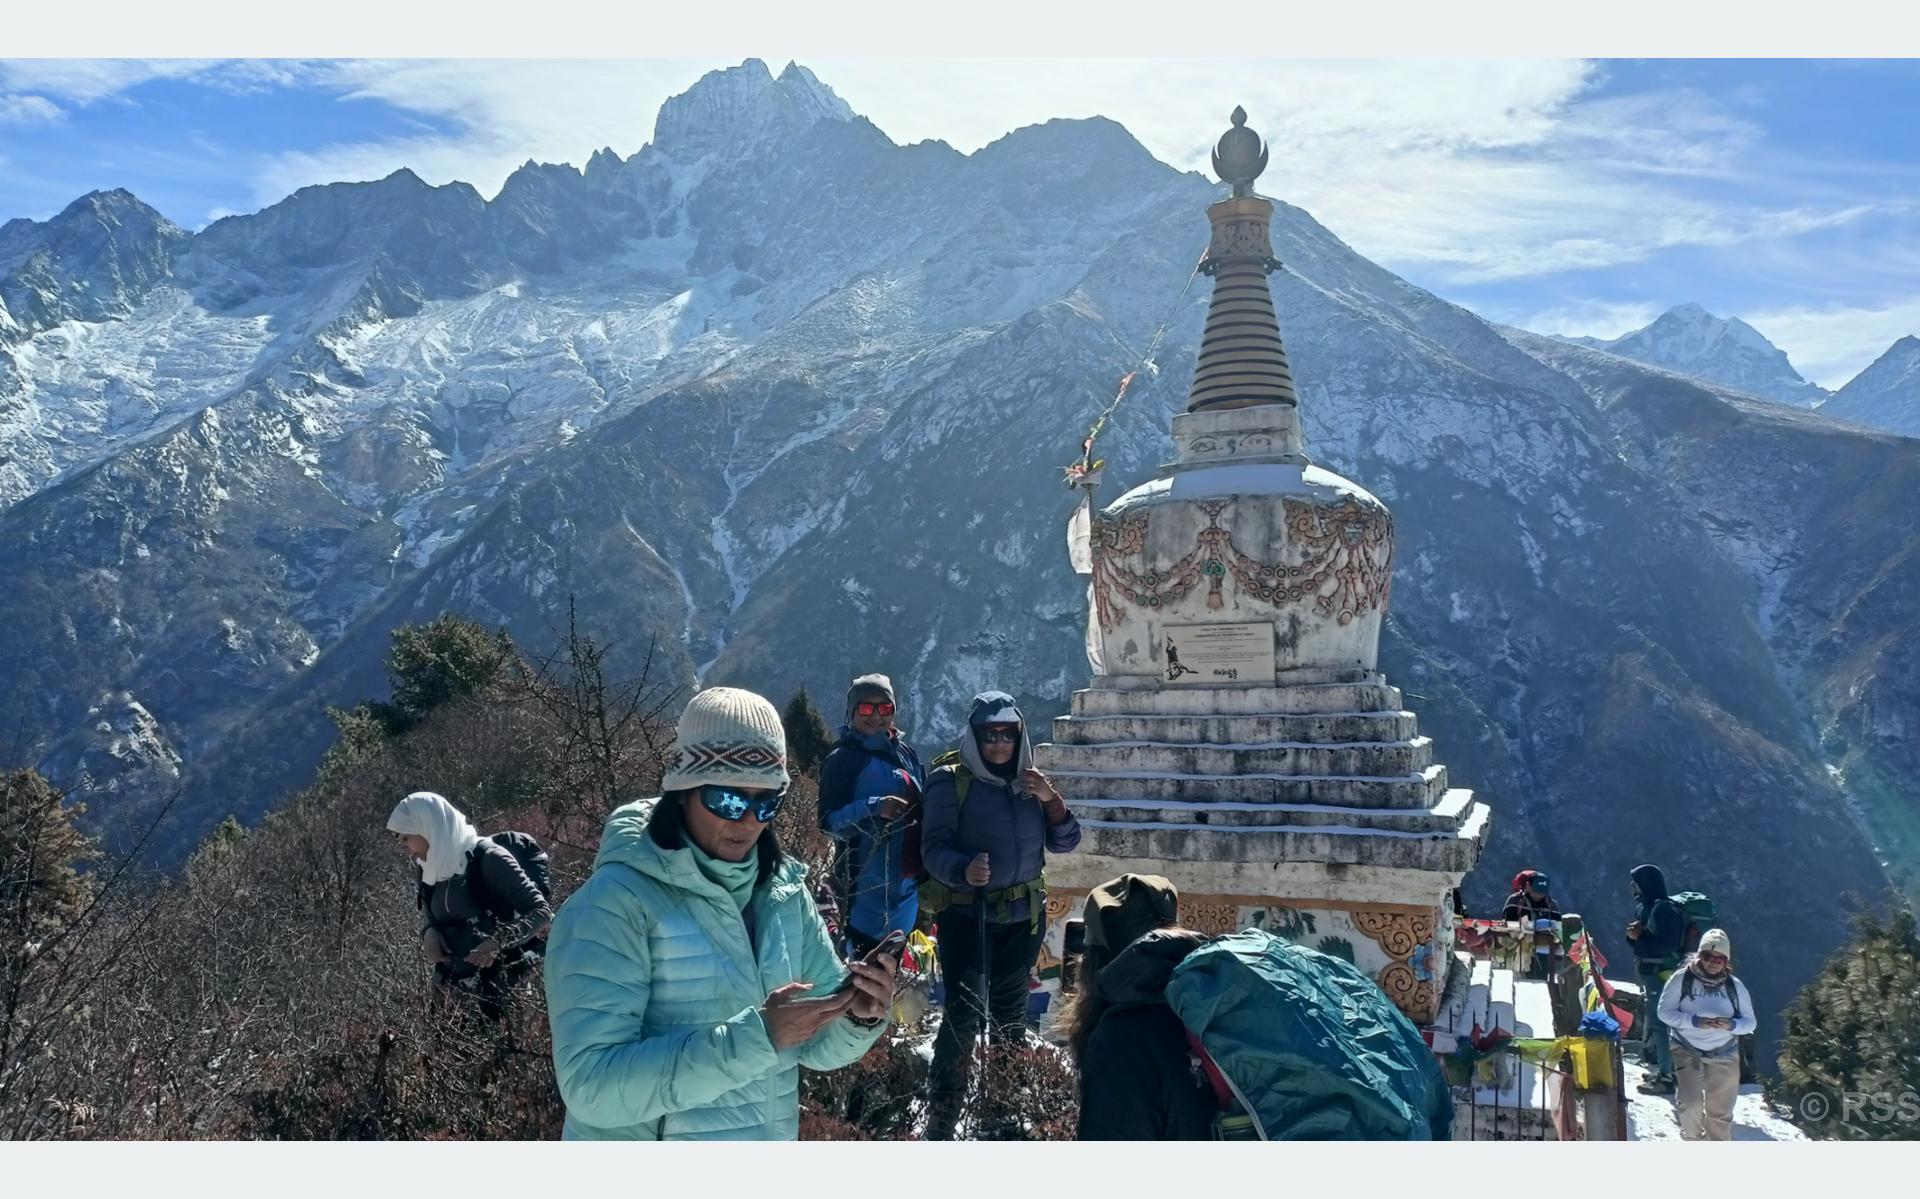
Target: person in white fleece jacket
[(1708, 1010)]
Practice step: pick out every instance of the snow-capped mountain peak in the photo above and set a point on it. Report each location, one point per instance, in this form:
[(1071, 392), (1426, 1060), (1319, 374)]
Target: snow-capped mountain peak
[(93, 261), (1886, 395), (1724, 350), (743, 106)]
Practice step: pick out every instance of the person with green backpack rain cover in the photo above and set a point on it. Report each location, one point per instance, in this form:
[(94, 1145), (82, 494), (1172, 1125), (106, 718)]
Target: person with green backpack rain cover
[(1247, 1036), (988, 820)]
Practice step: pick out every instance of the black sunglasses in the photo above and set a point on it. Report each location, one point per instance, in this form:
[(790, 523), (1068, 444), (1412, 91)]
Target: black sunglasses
[(730, 804), (993, 736)]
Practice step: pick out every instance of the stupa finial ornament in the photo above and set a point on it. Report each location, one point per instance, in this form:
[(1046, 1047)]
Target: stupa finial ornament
[(1240, 156)]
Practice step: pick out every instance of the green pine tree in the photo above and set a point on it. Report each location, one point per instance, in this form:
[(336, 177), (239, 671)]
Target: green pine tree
[(1850, 1061), (42, 851), (809, 740)]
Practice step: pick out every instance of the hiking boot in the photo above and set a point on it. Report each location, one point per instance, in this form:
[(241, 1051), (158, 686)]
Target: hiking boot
[(1656, 1084)]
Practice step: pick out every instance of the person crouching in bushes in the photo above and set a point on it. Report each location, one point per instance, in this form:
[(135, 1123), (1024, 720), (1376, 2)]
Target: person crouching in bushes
[(482, 915), (987, 825), (1708, 1011), (1136, 1075), (691, 976)]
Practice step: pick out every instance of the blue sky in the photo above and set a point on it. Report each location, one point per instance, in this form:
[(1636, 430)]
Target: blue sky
[(1561, 195)]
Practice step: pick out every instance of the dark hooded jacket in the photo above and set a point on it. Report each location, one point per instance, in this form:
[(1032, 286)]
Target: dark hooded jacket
[(1138, 1079), (999, 819), (506, 906), (1663, 924), (1521, 905)]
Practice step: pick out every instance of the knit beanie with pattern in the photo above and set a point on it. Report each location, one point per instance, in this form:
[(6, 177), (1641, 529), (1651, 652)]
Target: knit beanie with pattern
[(727, 737)]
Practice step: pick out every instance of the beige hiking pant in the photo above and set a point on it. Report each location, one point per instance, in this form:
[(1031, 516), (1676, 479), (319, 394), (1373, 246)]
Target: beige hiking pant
[(1704, 1089)]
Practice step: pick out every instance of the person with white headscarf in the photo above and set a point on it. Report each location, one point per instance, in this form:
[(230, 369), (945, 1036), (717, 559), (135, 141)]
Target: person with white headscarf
[(482, 913)]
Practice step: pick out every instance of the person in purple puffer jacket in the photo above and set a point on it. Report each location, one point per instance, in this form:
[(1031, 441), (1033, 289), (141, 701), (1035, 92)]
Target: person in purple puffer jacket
[(987, 825)]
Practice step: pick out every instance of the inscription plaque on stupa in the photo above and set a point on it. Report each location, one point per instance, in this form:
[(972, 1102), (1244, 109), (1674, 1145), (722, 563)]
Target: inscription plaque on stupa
[(1213, 654)]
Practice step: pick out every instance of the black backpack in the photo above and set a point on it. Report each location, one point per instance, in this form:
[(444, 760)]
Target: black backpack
[(532, 859)]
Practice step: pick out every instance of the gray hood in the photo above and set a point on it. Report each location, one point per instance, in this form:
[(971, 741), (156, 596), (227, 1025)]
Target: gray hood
[(993, 707)]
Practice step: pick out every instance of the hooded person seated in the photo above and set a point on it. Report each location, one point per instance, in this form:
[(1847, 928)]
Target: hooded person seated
[(1138, 1079)]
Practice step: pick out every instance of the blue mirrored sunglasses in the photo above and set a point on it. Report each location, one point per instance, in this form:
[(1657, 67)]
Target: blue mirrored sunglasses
[(730, 804)]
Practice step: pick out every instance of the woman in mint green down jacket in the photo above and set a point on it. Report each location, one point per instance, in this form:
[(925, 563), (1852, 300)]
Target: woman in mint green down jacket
[(691, 976)]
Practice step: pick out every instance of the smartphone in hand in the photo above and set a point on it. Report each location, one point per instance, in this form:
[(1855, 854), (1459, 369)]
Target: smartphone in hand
[(891, 946)]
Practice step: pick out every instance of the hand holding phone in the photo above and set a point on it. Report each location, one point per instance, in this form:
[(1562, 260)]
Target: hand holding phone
[(868, 988)]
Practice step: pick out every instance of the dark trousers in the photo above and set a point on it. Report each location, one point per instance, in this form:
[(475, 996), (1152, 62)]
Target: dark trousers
[(1011, 949)]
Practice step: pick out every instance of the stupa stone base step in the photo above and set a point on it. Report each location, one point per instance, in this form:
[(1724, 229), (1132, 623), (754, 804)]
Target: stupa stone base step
[(1323, 729), (1369, 695), (1374, 758), (1445, 816), (1421, 790), (1453, 851)]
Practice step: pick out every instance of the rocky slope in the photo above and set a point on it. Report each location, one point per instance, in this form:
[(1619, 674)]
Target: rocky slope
[(789, 401)]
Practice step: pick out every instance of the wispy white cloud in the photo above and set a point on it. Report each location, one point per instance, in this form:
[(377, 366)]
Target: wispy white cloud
[(1832, 344), (483, 119), (87, 80), (28, 109), (1586, 318)]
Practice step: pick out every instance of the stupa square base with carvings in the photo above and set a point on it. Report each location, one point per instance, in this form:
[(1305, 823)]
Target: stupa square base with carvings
[(1315, 810)]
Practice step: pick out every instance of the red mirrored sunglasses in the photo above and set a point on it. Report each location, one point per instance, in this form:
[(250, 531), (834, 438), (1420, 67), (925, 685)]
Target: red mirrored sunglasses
[(865, 708)]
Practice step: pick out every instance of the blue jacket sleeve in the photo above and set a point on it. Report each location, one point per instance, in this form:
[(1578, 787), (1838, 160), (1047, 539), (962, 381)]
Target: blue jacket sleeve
[(837, 776), (1065, 836), (598, 974), (851, 818), (939, 831)]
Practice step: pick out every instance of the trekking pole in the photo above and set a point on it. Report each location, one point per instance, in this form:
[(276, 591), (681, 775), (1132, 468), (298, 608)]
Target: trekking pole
[(986, 1001)]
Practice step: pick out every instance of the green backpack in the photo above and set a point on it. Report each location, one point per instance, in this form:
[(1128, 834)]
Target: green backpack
[(1700, 913), (934, 894)]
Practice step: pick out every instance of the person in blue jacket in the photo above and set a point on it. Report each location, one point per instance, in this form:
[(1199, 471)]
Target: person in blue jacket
[(868, 785), (690, 977), (987, 825)]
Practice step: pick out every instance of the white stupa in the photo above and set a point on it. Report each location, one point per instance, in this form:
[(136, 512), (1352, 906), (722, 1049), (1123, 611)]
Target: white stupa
[(1237, 735)]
